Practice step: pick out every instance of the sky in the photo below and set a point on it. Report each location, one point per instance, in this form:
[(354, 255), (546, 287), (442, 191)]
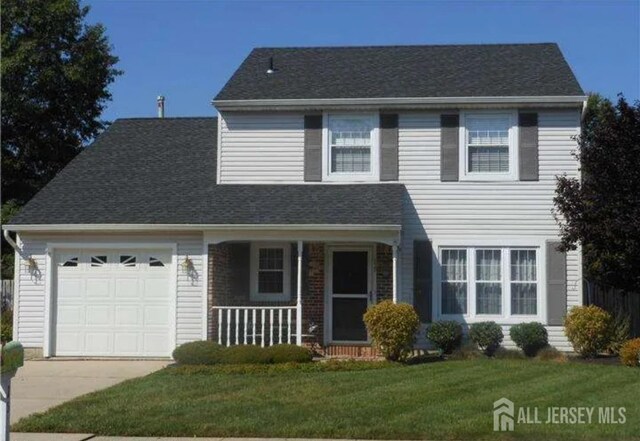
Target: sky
[(186, 50)]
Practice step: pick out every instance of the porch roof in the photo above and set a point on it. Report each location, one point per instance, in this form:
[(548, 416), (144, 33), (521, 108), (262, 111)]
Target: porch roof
[(150, 173)]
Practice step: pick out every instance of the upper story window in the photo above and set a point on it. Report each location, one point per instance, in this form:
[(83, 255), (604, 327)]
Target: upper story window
[(488, 150), (351, 147)]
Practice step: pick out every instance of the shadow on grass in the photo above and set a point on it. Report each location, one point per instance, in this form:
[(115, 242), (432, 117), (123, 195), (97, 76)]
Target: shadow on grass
[(424, 358)]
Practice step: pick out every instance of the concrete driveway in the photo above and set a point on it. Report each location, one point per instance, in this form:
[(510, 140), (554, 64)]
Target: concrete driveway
[(41, 384)]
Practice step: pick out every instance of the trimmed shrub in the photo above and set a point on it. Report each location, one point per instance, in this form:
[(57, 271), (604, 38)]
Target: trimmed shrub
[(620, 328), (588, 328), (288, 354), (508, 354), (6, 326), (530, 337), (445, 335), (487, 335), (210, 353), (393, 328), (198, 352), (466, 352), (551, 354), (244, 354), (630, 353)]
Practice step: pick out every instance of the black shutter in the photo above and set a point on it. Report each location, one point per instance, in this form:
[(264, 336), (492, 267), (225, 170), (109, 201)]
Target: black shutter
[(449, 147), (389, 147), (556, 284), (528, 146), (313, 147), (422, 270)]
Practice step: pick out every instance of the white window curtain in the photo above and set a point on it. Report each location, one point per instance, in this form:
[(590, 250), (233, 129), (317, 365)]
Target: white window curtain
[(489, 281), (350, 144), (524, 286), (488, 144), (454, 281)]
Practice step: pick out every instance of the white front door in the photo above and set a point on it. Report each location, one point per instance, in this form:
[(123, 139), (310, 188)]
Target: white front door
[(112, 303), (350, 292)]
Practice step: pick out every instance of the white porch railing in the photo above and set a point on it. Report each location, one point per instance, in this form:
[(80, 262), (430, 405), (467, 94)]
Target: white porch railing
[(256, 325)]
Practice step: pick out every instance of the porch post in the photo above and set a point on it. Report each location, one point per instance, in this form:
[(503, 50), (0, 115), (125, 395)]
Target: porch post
[(299, 299), (395, 273)]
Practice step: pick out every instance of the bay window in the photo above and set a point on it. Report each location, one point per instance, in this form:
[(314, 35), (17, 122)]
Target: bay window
[(488, 282), (524, 284), (454, 281)]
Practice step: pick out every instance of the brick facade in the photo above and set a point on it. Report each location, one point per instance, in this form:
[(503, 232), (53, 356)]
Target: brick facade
[(219, 289), (384, 272), (228, 268), (313, 298)]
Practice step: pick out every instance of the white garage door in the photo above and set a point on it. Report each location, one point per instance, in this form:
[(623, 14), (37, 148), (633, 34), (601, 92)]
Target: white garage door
[(113, 303)]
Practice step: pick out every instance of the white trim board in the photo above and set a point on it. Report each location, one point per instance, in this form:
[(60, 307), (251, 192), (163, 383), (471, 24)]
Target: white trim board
[(399, 102), (201, 227), (389, 237)]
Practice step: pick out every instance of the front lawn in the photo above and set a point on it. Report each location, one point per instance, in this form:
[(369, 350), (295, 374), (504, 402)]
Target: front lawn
[(443, 400)]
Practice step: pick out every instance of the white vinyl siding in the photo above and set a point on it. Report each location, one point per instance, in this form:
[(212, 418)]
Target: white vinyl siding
[(190, 317), (498, 211), (29, 298), (261, 148)]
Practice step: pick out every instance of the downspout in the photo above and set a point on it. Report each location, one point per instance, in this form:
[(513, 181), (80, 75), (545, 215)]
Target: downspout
[(11, 242)]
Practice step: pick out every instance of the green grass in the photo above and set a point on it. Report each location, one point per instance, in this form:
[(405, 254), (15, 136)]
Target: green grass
[(444, 400)]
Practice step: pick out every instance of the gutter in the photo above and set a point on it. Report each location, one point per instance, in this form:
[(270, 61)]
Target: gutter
[(199, 227), (9, 240), (400, 102), (584, 110)]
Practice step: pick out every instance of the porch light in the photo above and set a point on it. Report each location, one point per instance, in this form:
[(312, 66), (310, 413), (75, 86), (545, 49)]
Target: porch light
[(32, 267), (187, 264), (189, 268)]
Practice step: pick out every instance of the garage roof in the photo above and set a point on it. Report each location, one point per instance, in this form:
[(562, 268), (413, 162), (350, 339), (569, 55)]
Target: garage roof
[(163, 171)]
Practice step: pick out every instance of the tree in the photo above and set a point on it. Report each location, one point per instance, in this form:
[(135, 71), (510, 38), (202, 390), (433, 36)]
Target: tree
[(602, 210), (55, 76)]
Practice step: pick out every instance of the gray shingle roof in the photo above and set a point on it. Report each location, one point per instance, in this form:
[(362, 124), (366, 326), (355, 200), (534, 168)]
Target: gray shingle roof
[(163, 171), (403, 71)]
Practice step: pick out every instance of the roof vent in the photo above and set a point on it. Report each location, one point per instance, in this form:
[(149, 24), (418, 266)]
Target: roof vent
[(160, 106), (271, 68)]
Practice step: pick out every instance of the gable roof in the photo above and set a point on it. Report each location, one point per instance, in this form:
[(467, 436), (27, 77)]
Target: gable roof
[(483, 70), (163, 171)]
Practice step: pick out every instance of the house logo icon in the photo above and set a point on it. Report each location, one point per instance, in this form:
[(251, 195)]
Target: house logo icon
[(503, 413)]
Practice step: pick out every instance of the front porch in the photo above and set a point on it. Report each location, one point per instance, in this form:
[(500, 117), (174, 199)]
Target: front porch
[(311, 292)]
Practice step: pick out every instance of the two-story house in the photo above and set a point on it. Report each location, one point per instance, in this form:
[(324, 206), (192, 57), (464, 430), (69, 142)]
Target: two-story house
[(331, 178)]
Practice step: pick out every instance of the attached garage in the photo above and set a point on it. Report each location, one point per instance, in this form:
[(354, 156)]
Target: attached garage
[(113, 302)]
